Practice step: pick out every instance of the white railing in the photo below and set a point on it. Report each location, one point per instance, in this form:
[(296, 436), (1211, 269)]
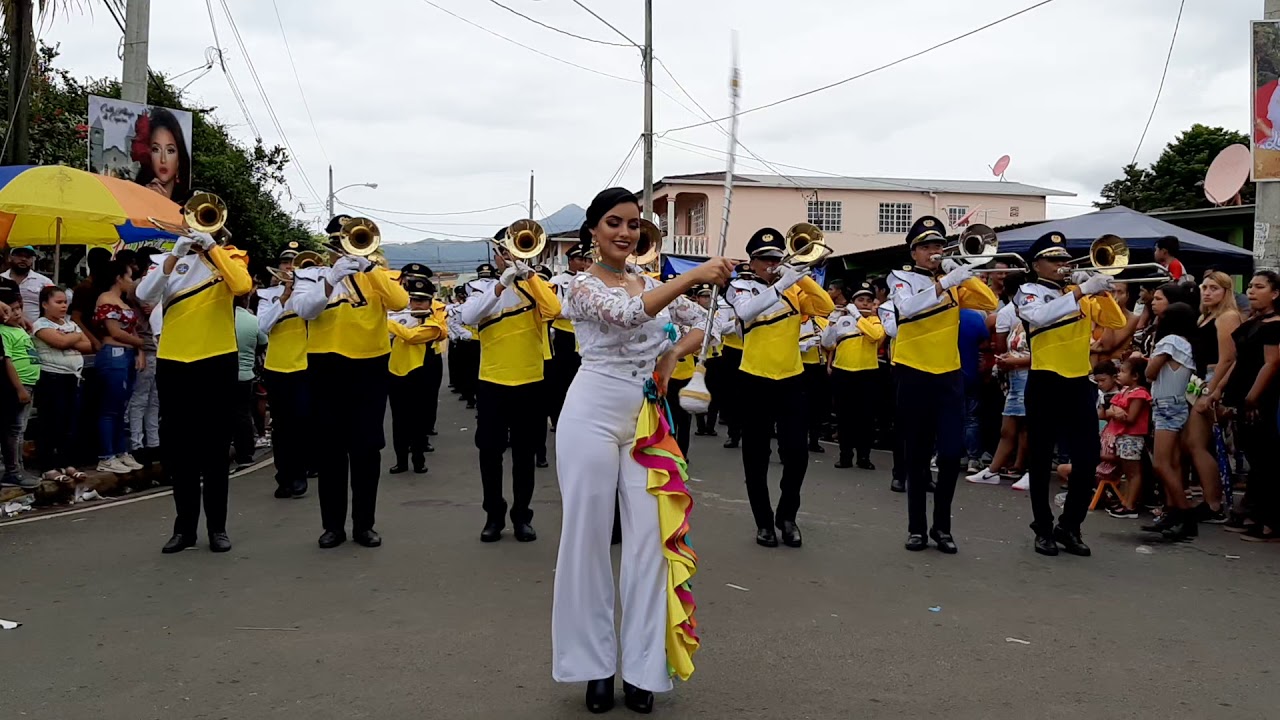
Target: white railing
[(688, 245)]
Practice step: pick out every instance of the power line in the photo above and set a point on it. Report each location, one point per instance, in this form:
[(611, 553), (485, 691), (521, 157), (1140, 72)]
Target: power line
[(606, 22), (1163, 73), (617, 174), (885, 66), (235, 89), (414, 229), (306, 105), (554, 28), (526, 47), (434, 214)]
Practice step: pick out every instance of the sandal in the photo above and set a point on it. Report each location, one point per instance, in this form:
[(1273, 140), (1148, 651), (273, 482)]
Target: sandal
[(1260, 534)]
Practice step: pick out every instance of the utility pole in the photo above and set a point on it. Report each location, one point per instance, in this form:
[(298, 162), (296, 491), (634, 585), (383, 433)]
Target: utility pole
[(531, 195), (137, 30), (18, 30), (329, 204), (648, 108), (1266, 219)]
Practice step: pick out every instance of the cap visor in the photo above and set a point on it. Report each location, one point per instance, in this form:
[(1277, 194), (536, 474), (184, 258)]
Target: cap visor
[(1055, 253), (768, 253)]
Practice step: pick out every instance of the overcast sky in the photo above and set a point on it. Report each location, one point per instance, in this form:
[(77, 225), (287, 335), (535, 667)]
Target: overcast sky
[(446, 117)]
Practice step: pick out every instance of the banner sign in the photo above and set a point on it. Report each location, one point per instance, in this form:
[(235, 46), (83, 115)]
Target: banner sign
[(147, 144)]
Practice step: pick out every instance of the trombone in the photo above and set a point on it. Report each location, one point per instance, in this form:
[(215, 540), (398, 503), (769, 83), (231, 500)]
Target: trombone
[(1109, 255), (649, 246), (359, 237), (978, 245), (524, 240), (204, 212), (806, 246)]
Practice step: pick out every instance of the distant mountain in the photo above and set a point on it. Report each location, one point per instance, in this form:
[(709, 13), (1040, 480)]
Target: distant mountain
[(462, 256), (567, 219)]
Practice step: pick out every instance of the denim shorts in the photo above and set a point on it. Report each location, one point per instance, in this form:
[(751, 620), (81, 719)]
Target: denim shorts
[(1171, 413), (1129, 447), (1015, 404)]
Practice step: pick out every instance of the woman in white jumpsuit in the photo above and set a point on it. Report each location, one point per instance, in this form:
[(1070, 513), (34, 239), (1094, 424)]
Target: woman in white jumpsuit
[(624, 322)]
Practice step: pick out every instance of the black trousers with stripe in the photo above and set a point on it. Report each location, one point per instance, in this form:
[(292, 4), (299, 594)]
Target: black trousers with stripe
[(930, 418), (854, 392), (197, 411), (409, 416), (288, 395), (564, 366), (434, 368), (349, 404), (468, 368), (724, 381), (818, 399), (508, 415), (1061, 409), (782, 406)]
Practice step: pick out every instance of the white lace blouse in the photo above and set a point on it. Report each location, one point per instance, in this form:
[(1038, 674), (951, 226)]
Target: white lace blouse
[(615, 336)]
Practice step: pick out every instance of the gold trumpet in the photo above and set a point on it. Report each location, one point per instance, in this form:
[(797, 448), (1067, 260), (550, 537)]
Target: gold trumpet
[(524, 240), (806, 246), (1110, 255), (204, 212), (649, 246), (359, 237), (978, 245), (309, 258)]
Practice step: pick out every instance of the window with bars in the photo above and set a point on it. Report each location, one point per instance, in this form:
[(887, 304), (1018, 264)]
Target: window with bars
[(1014, 211), (698, 218), (895, 218), (826, 214), (955, 214)]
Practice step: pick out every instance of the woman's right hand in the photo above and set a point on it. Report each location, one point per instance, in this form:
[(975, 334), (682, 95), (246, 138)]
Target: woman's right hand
[(715, 271)]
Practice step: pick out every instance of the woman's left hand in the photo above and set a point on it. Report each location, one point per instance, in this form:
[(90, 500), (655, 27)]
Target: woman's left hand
[(666, 366), (140, 362)]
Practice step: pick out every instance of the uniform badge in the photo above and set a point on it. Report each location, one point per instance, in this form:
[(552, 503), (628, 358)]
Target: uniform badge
[(1056, 238), (1030, 298), (898, 286), (928, 223), (755, 291), (183, 268), (767, 237)]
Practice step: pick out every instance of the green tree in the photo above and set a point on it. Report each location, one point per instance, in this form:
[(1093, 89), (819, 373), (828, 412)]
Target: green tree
[(1175, 181)]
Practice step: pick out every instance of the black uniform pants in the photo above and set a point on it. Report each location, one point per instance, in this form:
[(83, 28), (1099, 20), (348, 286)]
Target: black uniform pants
[(548, 391), (930, 418), (729, 382), (197, 409), (287, 394), (245, 436), (853, 392), (433, 366), (452, 355), (468, 368), (349, 404), (1061, 410), (508, 415), (408, 395), (818, 399), (564, 366), (681, 418), (780, 404)]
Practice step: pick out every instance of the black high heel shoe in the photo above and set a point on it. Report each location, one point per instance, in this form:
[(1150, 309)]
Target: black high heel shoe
[(637, 700), (600, 695)]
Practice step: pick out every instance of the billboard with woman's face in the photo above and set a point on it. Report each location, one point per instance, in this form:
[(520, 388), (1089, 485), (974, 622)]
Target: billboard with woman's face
[(146, 144)]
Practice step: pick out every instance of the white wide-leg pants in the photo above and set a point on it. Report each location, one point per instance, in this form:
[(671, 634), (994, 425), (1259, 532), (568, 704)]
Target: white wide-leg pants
[(593, 454)]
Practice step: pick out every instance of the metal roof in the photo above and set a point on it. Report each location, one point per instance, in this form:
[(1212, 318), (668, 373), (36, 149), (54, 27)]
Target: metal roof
[(967, 187)]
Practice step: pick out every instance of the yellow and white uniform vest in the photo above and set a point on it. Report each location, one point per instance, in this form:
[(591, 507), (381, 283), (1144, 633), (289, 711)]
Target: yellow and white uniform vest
[(411, 337), (854, 340), (511, 328), (928, 325), (199, 313), (350, 320), (810, 340), (727, 320), (771, 324), (453, 321), (438, 314), (560, 284), (286, 333), (1060, 328)]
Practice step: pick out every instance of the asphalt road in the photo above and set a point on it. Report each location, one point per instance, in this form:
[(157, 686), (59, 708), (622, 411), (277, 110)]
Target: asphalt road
[(435, 624)]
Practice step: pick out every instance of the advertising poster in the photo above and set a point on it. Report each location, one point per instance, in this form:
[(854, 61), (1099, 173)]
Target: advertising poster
[(147, 144)]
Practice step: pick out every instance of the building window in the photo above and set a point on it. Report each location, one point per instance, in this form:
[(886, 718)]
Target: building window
[(895, 218), (826, 214), (698, 218), (1013, 212), (955, 214)]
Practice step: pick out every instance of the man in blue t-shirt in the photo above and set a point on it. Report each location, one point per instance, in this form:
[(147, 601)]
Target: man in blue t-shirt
[(973, 336)]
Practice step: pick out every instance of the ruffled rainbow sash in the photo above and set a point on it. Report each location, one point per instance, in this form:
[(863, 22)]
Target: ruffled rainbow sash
[(656, 449)]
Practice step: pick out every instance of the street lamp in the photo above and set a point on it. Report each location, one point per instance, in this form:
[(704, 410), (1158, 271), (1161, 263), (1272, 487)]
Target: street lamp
[(333, 193)]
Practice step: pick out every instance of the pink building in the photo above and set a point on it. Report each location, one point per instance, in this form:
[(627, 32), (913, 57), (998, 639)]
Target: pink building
[(857, 214)]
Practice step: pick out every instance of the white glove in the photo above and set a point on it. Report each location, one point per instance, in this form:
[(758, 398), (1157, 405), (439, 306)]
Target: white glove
[(345, 267), (948, 265), (202, 240), (363, 264), (956, 276), (1080, 277), (509, 276), (1099, 283), (788, 276), (523, 270), (182, 246)]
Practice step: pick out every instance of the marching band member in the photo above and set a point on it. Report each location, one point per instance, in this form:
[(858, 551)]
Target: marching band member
[(469, 359), (434, 362), (284, 263), (926, 358), (566, 360), (722, 368), (852, 339), (682, 421), (770, 306), (348, 346), (622, 318), (458, 335), (1060, 319), (510, 315), (413, 332), (817, 395), (285, 375), (548, 363), (197, 283)]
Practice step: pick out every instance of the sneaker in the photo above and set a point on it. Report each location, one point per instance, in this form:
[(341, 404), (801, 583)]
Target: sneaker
[(113, 465), (1209, 516), (974, 466), (1123, 513), (985, 477), (263, 442), (1024, 482), (127, 460), (933, 463)]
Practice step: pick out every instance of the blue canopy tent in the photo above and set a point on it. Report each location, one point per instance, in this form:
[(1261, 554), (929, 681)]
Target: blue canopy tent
[(675, 265), (1140, 231)]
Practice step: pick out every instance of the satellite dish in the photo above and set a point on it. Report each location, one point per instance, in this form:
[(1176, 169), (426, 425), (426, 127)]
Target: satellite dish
[(1227, 174), (1001, 165)]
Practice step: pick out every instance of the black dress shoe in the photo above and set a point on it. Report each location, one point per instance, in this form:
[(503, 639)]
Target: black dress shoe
[(843, 463), (600, 695), (637, 700), (283, 493), (1166, 521), (331, 539), (1071, 541), (524, 532), (816, 448), (492, 531), (420, 468), (1185, 529), (428, 447), (219, 542), (766, 537), (790, 533), (367, 538), (299, 490), (730, 444), (542, 462), (1046, 546), (945, 542), (866, 465), (898, 485), (399, 468), (917, 542), (178, 543)]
